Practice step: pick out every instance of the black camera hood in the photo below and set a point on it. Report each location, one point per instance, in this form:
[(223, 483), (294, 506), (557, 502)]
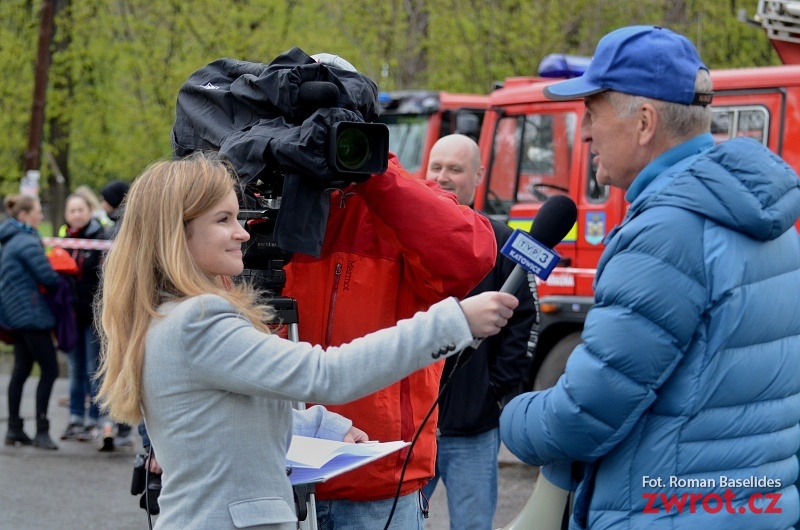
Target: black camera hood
[(259, 118)]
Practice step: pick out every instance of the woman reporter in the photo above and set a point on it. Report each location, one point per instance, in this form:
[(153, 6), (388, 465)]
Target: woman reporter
[(193, 355)]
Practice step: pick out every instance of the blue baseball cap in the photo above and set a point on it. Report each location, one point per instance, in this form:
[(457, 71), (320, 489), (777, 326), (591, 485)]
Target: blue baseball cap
[(646, 61)]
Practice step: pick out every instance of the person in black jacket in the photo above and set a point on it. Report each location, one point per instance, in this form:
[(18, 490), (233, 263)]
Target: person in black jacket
[(480, 380), (83, 360), (112, 195)]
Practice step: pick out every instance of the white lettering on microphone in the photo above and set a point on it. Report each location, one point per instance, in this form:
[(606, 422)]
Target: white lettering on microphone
[(525, 262)]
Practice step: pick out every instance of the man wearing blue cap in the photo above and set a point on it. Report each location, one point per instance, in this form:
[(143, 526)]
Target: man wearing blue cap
[(683, 401)]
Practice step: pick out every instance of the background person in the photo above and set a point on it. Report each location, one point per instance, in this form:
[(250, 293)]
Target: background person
[(113, 194), (95, 207), (690, 356), (24, 269), (468, 436), (193, 354), (97, 212), (84, 418)]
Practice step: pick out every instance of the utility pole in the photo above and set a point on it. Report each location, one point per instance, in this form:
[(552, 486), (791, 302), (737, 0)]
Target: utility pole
[(33, 154)]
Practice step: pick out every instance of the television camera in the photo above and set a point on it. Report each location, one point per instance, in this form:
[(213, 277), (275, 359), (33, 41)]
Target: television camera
[(353, 152)]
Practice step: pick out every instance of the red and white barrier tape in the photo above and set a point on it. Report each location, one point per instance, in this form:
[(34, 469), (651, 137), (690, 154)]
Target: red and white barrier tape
[(83, 244)]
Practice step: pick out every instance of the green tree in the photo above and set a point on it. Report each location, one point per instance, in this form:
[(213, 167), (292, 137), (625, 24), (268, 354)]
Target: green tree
[(18, 34), (117, 65)]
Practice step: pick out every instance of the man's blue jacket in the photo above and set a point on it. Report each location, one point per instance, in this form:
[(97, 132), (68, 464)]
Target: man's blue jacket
[(688, 378)]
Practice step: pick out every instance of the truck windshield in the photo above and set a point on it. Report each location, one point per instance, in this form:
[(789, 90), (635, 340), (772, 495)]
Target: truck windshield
[(407, 137), (531, 157)]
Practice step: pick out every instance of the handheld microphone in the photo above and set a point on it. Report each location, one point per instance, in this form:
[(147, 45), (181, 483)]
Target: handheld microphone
[(318, 94), (555, 219)]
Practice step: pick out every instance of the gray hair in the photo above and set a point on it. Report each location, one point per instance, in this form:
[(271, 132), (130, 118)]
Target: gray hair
[(678, 121)]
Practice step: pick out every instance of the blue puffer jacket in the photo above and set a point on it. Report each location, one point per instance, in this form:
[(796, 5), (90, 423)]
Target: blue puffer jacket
[(689, 373), (23, 267)]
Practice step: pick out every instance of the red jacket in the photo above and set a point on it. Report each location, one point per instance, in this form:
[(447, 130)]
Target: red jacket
[(394, 245)]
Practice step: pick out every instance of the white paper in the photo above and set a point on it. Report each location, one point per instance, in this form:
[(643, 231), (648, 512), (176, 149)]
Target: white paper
[(315, 460)]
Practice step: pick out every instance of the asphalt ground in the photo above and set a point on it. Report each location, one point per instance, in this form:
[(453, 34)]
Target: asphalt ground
[(77, 487)]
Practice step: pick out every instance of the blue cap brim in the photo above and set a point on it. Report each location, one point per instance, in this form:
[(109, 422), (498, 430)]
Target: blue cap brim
[(575, 88)]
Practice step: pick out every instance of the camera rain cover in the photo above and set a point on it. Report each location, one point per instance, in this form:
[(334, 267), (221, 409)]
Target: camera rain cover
[(253, 115)]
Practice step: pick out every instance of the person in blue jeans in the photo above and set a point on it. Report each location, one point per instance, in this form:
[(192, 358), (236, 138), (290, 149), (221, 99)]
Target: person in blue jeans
[(113, 194), (482, 379), (83, 359)]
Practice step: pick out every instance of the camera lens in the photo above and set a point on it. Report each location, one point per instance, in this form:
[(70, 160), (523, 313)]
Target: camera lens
[(352, 149)]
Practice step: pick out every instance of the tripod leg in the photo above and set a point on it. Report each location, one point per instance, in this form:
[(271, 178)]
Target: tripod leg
[(304, 494)]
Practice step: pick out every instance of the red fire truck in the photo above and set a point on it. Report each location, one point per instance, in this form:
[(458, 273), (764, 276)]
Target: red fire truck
[(531, 149), (417, 118)]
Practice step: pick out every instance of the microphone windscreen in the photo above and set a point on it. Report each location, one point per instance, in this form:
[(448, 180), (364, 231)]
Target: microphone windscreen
[(318, 94), (554, 220)]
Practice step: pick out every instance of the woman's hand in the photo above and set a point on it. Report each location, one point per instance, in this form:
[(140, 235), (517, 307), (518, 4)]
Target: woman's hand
[(488, 312), (153, 464), (355, 435)]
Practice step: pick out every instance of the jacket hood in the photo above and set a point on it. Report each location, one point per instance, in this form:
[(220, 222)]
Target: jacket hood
[(8, 229), (738, 184)]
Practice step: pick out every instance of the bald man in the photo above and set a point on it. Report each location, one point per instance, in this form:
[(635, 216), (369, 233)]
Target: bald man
[(468, 436), (455, 163)]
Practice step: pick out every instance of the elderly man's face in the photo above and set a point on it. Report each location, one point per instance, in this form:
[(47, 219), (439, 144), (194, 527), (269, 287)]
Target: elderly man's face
[(614, 142)]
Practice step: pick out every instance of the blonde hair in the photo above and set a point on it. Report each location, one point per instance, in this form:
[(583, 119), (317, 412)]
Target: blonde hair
[(16, 204), (86, 193), (150, 263)]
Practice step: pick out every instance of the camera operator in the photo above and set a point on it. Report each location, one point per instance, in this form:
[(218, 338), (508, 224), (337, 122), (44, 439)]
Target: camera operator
[(394, 245)]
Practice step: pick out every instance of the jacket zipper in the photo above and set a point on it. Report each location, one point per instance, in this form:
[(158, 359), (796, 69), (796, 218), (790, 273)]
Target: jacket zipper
[(332, 308)]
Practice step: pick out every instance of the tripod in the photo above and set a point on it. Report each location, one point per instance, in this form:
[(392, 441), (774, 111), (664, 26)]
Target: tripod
[(286, 308)]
